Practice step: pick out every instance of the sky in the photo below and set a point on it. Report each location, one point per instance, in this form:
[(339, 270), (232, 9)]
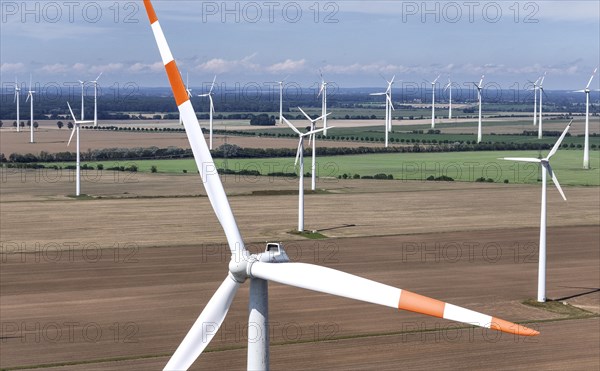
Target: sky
[(255, 43)]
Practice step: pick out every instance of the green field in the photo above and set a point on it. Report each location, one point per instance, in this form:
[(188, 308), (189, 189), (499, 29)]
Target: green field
[(461, 166)]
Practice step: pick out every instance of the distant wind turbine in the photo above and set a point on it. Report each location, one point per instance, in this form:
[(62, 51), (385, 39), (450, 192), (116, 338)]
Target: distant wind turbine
[(313, 138), (546, 169), (388, 108), (16, 99), (300, 159), (211, 109), (535, 89), (78, 166), (281, 99), (541, 89), (586, 145), (433, 101), (95, 82), (479, 96), (189, 92), (449, 88), (323, 94), (30, 99)]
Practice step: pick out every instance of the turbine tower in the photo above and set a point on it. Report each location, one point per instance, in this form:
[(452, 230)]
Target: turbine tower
[(479, 96), (95, 82), (433, 101), (535, 89), (546, 169), (586, 145), (274, 264), (78, 166), (541, 89), (449, 88), (17, 99), (300, 158), (30, 99), (211, 109)]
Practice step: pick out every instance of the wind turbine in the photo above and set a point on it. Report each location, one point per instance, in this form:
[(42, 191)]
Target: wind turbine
[(95, 82), (281, 99), (82, 98), (541, 89), (300, 158), (313, 138), (535, 89), (211, 109), (433, 101), (16, 99), (586, 145), (261, 268), (479, 96), (323, 94), (449, 88), (388, 108), (78, 166), (546, 169), (30, 99)]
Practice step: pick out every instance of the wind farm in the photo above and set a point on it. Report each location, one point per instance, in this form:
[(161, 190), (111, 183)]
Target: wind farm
[(163, 241)]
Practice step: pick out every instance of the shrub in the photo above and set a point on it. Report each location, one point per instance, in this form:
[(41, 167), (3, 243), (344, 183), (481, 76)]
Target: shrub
[(153, 169)]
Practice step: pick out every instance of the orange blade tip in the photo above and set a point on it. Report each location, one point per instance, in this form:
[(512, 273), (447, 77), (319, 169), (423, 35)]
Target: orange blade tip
[(512, 328)]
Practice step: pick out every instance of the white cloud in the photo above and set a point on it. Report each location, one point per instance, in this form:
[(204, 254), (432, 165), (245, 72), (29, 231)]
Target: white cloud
[(12, 67), (146, 67), (219, 65), (287, 66)]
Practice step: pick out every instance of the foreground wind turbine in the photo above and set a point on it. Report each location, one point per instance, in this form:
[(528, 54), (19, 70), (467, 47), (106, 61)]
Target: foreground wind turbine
[(313, 138), (82, 83), (211, 109), (273, 264), (388, 108), (281, 100), (479, 96), (586, 145), (78, 166), (323, 94), (433, 101), (546, 169), (30, 99), (16, 99), (95, 82), (541, 89), (300, 159), (449, 88)]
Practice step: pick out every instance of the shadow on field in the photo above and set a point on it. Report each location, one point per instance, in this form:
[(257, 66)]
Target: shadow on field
[(590, 290)]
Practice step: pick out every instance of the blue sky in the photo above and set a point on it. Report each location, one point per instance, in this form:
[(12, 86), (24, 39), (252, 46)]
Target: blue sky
[(352, 42)]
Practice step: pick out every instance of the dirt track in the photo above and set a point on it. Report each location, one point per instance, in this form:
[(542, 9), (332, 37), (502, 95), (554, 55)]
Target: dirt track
[(92, 304)]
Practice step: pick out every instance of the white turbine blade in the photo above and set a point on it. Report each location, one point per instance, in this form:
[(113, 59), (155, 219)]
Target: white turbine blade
[(591, 78), (213, 84), (98, 78), (554, 179), (28, 96), (579, 91), (481, 81), (389, 99), (313, 132), (72, 132), (291, 126), (321, 117), (204, 95), (384, 93), (436, 79), (70, 110), (205, 327), (334, 282), (522, 159), (298, 151), (391, 82), (559, 141), (204, 161), (542, 79), (305, 115)]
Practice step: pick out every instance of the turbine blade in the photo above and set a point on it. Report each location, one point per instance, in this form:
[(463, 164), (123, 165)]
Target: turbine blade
[(98, 78), (299, 151), (313, 132), (305, 115), (213, 84), (321, 117), (205, 327), (559, 141), (579, 91), (70, 110), (72, 132), (522, 159), (204, 161), (384, 93), (555, 180), (334, 282), (291, 126), (591, 78)]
